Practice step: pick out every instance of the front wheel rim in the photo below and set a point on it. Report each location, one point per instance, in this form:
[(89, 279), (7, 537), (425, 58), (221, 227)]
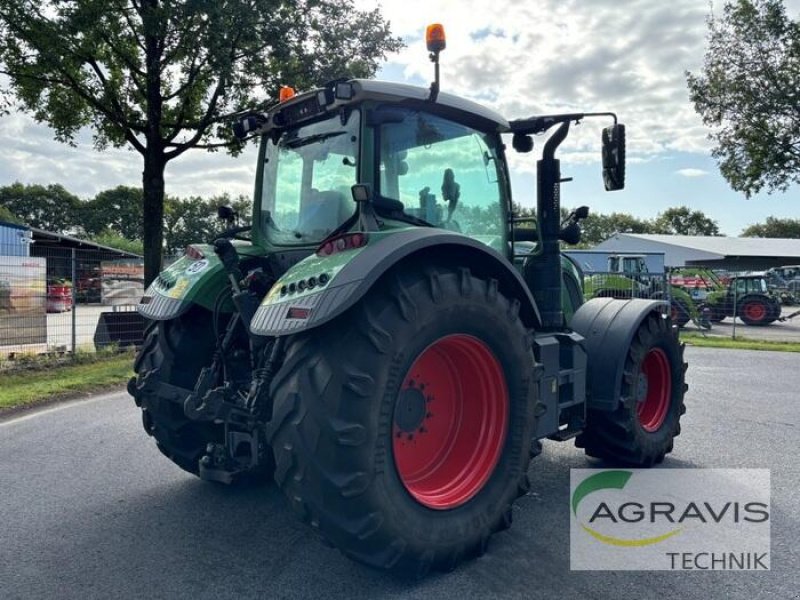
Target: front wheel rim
[(656, 397), (450, 422)]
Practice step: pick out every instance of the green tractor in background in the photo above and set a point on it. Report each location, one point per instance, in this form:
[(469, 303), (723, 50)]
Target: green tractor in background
[(628, 277), (746, 296), (382, 342)]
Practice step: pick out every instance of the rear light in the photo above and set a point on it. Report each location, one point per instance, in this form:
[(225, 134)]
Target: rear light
[(194, 253), (348, 241), (296, 312)]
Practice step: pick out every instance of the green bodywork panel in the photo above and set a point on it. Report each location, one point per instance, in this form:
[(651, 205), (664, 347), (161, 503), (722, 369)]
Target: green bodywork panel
[(315, 265), (193, 281), (594, 284)]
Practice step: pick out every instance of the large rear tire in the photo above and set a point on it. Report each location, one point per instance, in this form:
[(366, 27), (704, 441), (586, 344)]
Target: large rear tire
[(641, 430), (167, 368), (402, 430), (756, 311)]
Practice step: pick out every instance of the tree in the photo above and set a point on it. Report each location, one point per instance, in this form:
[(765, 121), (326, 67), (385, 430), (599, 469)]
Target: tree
[(51, 208), (684, 221), (774, 228), (749, 93), (118, 210), (114, 240), (8, 217), (162, 76), (598, 227), (195, 219)]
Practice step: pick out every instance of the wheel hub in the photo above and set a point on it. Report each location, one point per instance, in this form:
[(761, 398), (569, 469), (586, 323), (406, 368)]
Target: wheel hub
[(410, 410), (450, 422)]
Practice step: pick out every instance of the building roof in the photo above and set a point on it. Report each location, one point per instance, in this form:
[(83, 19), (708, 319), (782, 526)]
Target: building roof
[(730, 253), (41, 237), (13, 225), (724, 246)]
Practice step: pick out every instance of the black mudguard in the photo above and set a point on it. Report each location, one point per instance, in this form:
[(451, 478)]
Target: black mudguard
[(608, 326), (417, 247)]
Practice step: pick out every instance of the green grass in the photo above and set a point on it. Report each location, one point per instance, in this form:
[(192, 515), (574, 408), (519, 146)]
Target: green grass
[(41, 382), (701, 341)]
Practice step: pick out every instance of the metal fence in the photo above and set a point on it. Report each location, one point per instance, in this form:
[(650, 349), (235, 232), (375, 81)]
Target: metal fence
[(733, 304), (63, 300), (59, 300)]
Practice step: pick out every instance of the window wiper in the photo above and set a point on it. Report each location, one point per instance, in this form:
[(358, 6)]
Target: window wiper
[(311, 139)]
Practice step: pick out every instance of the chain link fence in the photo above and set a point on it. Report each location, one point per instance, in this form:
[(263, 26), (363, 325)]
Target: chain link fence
[(733, 304), (63, 300)]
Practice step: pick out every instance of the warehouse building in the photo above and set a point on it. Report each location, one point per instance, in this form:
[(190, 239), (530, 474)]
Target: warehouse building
[(726, 253)]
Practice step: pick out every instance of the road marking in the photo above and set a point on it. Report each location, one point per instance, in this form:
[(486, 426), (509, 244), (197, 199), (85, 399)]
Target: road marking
[(58, 407)]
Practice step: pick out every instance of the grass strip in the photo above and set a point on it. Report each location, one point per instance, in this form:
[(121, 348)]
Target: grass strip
[(709, 341), (33, 386)]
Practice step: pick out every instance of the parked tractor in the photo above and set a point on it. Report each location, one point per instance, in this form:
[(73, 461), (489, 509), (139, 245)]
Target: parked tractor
[(627, 276), (382, 343), (746, 296)]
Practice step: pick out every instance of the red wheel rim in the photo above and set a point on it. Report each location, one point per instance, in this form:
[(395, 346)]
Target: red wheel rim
[(654, 401), (755, 311), (450, 422)]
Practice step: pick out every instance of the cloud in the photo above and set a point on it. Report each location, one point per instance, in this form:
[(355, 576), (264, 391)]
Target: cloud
[(520, 58), (692, 172)]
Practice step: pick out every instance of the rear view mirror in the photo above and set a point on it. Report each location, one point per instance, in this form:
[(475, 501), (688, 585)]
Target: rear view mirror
[(226, 213), (614, 157)]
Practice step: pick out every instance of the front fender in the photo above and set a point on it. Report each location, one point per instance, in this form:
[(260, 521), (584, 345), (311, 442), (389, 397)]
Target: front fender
[(608, 327), (185, 282), (350, 274)]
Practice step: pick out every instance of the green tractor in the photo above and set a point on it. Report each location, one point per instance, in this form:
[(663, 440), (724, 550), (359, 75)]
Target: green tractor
[(629, 277), (393, 357), (746, 296)]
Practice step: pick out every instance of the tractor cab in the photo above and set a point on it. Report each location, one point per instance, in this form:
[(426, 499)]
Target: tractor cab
[(431, 165), (630, 265)]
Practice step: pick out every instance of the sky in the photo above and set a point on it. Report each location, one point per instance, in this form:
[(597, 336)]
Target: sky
[(521, 59)]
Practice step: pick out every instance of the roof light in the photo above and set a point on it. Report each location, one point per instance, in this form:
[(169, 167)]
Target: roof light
[(287, 93), (435, 38)]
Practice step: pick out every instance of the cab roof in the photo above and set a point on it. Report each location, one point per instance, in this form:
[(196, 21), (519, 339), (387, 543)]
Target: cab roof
[(389, 91)]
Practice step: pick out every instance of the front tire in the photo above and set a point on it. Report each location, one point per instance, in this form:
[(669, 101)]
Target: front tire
[(641, 431), (402, 430)]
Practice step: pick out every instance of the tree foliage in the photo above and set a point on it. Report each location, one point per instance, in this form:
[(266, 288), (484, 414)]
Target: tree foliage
[(774, 228), (118, 210), (749, 93), (163, 76), (8, 217), (682, 220), (194, 219), (599, 227), (51, 207)]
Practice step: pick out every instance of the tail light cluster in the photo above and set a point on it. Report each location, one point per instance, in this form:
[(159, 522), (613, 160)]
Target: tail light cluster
[(348, 241)]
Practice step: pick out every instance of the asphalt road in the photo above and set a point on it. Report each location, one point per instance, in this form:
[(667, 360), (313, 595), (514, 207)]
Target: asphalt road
[(90, 509)]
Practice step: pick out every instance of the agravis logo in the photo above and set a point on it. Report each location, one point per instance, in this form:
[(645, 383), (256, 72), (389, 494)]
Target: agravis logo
[(603, 481), (670, 519)]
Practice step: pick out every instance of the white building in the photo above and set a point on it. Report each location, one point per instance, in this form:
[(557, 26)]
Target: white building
[(729, 253)]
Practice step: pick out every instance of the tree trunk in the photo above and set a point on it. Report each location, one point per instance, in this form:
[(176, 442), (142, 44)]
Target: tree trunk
[(153, 188), (154, 160)]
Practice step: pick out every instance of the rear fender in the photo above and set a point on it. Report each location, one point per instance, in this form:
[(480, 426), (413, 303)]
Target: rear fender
[(350, 274), (608, 327)]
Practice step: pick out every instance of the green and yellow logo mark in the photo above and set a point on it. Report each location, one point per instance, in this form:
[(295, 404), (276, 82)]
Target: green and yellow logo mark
[(604, 481)]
